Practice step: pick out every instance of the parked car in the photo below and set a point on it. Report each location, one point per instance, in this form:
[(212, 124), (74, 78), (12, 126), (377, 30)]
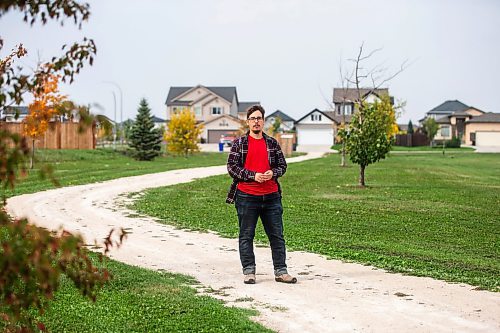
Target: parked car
[(227, 140)]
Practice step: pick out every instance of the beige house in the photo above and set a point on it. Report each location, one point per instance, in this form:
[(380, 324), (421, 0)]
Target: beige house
[(217, 108), (483, 130), (471, 125)]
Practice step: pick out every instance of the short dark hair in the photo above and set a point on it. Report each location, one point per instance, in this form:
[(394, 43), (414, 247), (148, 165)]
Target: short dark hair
[(254, 108)]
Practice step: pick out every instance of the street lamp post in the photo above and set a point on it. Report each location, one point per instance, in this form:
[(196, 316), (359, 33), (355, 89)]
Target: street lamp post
[(114, 127), (121, 109)]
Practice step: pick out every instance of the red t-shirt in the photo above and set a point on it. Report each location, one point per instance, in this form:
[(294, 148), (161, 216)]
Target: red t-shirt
[(257, 160)]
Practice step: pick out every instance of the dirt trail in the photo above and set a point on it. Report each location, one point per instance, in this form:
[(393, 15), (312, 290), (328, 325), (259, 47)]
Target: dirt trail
[(330, 296)]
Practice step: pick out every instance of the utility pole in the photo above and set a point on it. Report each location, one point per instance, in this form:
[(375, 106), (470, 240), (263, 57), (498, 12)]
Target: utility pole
[(121, 109)]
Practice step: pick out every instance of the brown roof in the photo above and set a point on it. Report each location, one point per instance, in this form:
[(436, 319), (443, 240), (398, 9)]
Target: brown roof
[(336, 118), (486, 118), (351, 94)]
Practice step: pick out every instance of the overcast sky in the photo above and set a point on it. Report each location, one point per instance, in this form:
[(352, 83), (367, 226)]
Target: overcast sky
[(283, 53)]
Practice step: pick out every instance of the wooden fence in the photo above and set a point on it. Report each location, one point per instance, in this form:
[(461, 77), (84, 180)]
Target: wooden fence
[(59, 135), (411, 140)]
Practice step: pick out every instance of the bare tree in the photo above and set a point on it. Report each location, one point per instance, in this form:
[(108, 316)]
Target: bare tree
[(367, 148)]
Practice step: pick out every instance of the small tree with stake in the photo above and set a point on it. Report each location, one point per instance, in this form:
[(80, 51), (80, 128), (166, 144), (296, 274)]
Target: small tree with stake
[(368, 138), (144, 138)]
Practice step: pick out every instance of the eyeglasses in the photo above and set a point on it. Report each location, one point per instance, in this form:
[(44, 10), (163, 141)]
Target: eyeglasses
[(255, 119)]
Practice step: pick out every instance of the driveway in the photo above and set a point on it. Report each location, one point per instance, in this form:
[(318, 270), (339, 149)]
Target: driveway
[(487, 149), (331, 296)]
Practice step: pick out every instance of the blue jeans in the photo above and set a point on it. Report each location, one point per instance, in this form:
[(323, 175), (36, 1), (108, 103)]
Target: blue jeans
[(268, 207)]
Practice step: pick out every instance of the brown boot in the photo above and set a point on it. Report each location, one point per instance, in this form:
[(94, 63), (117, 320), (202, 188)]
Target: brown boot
[(285, 278), (249, 279)]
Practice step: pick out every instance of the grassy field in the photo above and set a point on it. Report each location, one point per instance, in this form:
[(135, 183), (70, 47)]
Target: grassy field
[(76, 167), (436, 149), (422, 214), (140, 300)]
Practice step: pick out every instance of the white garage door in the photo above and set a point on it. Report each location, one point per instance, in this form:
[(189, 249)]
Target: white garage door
[(315, 136), (488, 139)]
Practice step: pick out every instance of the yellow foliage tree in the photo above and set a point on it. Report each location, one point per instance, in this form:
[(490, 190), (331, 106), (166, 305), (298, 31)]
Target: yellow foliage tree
[(42, 110), (183, 133)]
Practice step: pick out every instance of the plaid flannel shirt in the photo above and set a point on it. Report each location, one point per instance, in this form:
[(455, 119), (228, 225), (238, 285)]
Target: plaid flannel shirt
[(236, 163)]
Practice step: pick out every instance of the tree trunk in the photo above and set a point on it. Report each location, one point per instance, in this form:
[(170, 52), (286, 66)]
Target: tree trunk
[(362, 175), (32, 158)]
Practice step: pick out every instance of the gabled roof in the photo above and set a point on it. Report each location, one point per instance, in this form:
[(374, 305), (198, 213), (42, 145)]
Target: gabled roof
[(472, 107), (449, 107), (489, 117), (233, 118), (156, 119), (338, 118), (13, 110), (283, 116), (326, 114), (243, 106), (351, 94), (225, 92)]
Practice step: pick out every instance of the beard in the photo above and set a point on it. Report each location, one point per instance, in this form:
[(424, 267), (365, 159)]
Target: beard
[(256, 131)]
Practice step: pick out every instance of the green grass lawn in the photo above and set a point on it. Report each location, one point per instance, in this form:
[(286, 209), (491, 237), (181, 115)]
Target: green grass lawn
[(140, 300), (76, 167), (437, 149), (422, 214)]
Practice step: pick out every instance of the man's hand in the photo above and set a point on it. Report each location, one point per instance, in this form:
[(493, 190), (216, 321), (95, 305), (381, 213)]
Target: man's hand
[(269, 174), (260, 177), (263, 177)]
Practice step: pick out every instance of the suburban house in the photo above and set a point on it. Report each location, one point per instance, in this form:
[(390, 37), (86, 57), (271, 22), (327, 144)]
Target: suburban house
[(321, 127), (217, 108), (158, 122), (344, 99), (471, 125), (483, 130), (287, 122), (316, 128), (243, 107), (14, 114)]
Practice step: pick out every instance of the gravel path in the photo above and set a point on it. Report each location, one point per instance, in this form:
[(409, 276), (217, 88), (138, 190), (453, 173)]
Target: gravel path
[(330, 296)]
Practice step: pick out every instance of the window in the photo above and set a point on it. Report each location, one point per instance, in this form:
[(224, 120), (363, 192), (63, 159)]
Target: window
[(217, 110), (197, 110), (348, 109), (316, 117), (445, 131), (175, 109)]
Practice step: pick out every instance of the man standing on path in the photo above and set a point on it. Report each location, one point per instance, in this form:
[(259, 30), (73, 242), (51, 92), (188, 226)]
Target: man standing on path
[(255, 163)]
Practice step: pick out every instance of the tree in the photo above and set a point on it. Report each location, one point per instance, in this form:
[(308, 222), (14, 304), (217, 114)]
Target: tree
[(145, 140), (368, 138), (275, 126), (127, 128), (42, 110), (410, 128), (243, 129), (370, 135), (183, 133), (32, 258), (430, 128)]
